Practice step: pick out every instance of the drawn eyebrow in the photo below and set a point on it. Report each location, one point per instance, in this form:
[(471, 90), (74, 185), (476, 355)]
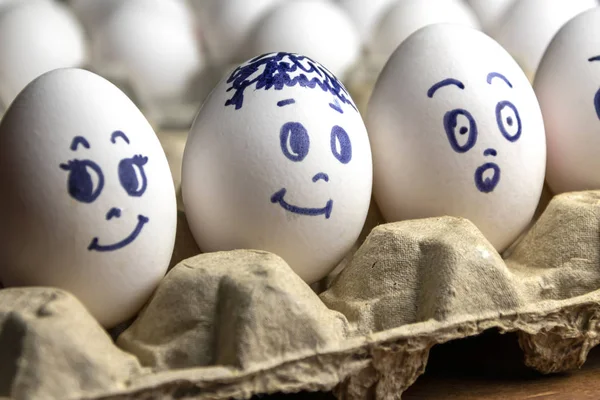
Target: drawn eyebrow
[(79, 140), (595, 58), (285, 102), (493, 75), (118, 134), (442, 83)]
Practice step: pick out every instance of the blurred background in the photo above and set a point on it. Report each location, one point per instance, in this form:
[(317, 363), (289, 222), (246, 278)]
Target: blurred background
[(167, 55)]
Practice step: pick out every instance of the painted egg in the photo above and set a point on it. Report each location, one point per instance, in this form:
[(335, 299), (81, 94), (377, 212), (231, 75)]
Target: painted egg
[(308, 27), (456, 130), (408, 16), (158, 52), (36, 37), (278, 159), (528, 27), (567, 85), (88, 203)]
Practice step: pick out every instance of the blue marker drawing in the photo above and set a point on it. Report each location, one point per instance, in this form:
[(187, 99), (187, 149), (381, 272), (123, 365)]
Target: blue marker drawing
[(597, 103), (278, 198), (287, 102), (450, 125), (442, 83), (493, 75), (118, 134), (274, 71), (336, 106), (113, 213), (129, 178), (79, 140), (294, 141), (511, 122), (487, 185), (116, 246), (80, 184), (319, 176), (490, 152)]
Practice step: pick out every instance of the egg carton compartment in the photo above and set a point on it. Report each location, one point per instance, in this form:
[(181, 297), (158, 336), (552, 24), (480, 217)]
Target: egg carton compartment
[(242, 323)]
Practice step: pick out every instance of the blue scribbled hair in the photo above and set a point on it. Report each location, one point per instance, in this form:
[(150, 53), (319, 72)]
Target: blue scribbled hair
[(276, 76)]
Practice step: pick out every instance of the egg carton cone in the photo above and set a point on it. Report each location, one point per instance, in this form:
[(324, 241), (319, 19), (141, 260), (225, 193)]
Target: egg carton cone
[(241, 323)]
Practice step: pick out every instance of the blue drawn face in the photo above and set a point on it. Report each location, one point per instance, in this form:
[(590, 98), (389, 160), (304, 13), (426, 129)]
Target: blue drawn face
[(294, 141), (278, 71), (85, 183), (461, 130), (597, 95)]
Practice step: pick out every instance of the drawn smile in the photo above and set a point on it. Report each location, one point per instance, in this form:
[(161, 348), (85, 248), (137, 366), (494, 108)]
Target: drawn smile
[(112, 247), (278, 198), (487, 184)]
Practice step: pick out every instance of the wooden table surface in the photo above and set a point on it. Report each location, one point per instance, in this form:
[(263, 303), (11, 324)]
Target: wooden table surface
[(490, 367)]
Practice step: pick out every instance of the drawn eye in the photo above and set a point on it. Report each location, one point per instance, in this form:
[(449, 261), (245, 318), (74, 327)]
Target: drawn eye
[(294, 141), (597, 103), (340, 144), (461, 130), (508, 120), (85, 181), (132, 175)]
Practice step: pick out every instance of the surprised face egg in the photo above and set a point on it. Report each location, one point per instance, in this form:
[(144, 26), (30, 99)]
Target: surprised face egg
[(278, 159), (456, 130), (88, 203)]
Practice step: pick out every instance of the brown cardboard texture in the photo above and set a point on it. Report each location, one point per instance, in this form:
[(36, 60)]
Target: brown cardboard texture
[(236, 324)]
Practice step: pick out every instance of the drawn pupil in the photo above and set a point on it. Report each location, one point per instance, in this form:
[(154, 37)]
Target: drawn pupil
[(294, 141), (341, 147), (511, 121), (450, 125), (132, 175), (80, 183)]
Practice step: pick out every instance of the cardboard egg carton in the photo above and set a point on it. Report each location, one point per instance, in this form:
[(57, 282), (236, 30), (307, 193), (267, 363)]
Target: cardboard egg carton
[(241, 323)]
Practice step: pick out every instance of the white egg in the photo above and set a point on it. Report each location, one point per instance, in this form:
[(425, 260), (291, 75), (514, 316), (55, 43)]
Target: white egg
[(407, 16), (36, 37), (567, 85), (159, 55), (93, 13), (228, 23), (318, 29), (365, 14), (278, 159), (88, 203), (456, 130), (490, 12), (529, 26)]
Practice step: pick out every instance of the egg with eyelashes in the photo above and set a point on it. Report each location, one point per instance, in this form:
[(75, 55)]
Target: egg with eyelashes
[(278, 159), (456, 130), (90, 203)]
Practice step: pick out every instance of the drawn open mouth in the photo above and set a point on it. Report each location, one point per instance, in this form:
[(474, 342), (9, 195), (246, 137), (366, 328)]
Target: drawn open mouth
[(112, 247), (487, 177), (278, 198)]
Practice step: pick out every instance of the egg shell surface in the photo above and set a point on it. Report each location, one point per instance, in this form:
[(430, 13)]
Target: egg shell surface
[(88, 202), (526, 30), (36, 37), (227, 25), (159, 54), (490, 12), (408, 16), (456, 130), (278, 159), (365, 14), (320, 30), (567, 85)]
